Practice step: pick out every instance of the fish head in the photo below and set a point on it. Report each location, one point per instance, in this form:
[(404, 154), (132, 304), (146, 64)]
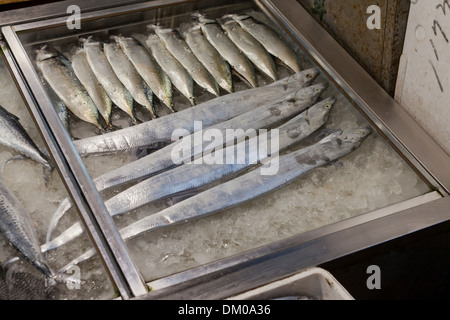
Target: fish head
[(308, 74), (351, 139), (46, 52), (355, 135), (318, 114), (311, 93)]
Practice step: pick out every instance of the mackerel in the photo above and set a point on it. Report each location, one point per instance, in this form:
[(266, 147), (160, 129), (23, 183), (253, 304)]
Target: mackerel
[(58, 72), (93, 87), (174, 42), (106, 76), (210, 57), (246, 187), (187, 177), (210, 113), (14, 136), (251, 47), (129, 76), (177, 73), (270, 40), (229, 51), (148, 68), (16, 224)]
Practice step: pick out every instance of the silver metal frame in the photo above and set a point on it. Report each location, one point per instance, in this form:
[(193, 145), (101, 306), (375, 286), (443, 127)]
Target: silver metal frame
[(248, 270)]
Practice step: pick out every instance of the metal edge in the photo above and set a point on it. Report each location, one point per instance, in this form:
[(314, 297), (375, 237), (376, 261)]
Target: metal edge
[(124, 9), (249, 270), (424, 155), (56, 9), (93, 213)]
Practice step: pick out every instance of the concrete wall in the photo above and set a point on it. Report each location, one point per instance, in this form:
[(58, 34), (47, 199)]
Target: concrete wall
[(378, 51)]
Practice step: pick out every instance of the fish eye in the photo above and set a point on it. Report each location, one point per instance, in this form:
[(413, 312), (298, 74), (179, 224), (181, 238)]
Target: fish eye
[(328, 106), (317, 89)]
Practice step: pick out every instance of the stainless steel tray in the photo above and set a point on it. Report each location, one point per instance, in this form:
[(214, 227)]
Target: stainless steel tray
[(257, 266)]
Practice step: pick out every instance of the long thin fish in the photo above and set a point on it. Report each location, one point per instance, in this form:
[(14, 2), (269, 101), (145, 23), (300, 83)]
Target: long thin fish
[(163, 159), (129, 76), (270, 40), (93, 87), (107, 77), (14, 136), (187, 177), (58, 72), (17, 225), (210, 57), (229, 51), (210, 113), (177, 73), (174, 42), (148, 68), (251, 47), (246, 187)]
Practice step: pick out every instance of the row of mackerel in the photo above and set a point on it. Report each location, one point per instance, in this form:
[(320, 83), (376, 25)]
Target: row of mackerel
[(187, 177), (246, 187), (261, 117)]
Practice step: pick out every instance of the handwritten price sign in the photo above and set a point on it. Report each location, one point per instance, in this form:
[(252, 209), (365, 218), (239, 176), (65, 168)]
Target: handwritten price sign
[(423, 87)]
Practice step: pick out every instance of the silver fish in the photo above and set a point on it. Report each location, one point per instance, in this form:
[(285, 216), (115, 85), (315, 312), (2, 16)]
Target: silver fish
[(14, 136), (148, 68), (229, 51), (177, 73), (210, 113), (261, 117), (59, 74), (107, 77), (251, 47), (253, 184), (17, 225), (270, 40), (174, 42), (93, 87), (246, 187), (129, 76), (186, 177), (210, 57)]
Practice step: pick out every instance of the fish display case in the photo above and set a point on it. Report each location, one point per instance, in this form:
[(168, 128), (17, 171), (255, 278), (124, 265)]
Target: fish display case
[(395, 183)]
